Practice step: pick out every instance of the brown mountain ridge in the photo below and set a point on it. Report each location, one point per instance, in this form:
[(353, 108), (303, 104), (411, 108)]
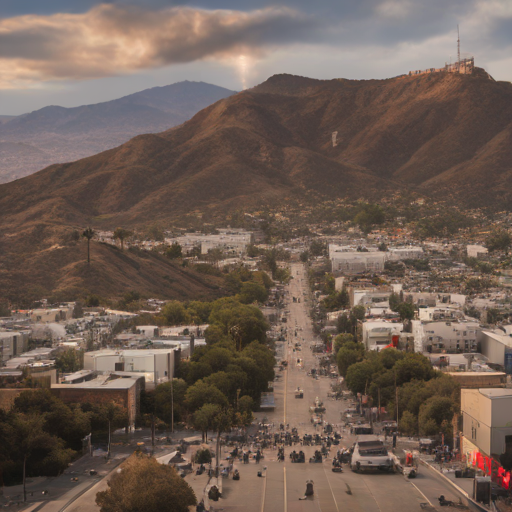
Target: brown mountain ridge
[(445, 135)]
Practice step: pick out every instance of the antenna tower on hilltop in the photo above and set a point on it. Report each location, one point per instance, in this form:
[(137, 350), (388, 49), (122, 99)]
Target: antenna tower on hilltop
[(458, 49)]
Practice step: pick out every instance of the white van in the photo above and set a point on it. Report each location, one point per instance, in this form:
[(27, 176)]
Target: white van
[(369, 452)]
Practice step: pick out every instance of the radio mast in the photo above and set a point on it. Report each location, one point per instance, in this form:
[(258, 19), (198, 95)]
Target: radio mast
[(458, 49)]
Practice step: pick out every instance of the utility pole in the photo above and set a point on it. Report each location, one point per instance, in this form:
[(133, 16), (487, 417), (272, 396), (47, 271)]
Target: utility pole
[(396, 394), (378, 391), (172, 405)]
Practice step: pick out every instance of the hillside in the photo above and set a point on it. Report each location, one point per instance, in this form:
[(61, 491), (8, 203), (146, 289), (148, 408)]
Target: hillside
[(46, 262), (65, 134), (444, 135)]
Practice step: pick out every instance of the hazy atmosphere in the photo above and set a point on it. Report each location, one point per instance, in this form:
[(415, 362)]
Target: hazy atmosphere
[(78, 52)]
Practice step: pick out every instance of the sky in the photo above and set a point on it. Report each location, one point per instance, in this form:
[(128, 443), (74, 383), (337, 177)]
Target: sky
[(76, 52)]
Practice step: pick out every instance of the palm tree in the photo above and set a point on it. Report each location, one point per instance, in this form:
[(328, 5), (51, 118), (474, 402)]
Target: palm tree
[(88, 233), (121, 234)]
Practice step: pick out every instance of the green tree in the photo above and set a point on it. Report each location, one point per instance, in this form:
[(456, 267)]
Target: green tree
[(345, 324), (408, 424), (341, 339), (252, 292), (146, 485), (369, 216), (88, 234), (394, 301), (317, 248), (359, 312), (252, 251), (92, 301), (199, 311), (70, 361), (349, 354), (122, 234), (155, 232), (304, 256), (242, 323), (174, 251), (202, 393), (428, 428), (175, 313), (498, 240), (106, 417), (203, 456), (406, 311), (78, 310), (413, 366), (168, 395), (389, 357), (494, 316), (359, 376), (437, 408), (31, 437)]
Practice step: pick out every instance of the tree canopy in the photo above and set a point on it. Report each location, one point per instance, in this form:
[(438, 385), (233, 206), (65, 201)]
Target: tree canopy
[(144, 484)]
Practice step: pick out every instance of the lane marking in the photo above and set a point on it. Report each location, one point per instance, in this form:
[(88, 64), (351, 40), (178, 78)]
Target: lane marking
[(285, 497), (416, 487), (327, 478), (264, 492), (370, 491)]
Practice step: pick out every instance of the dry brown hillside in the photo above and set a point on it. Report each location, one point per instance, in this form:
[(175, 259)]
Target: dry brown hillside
[(445, 135)]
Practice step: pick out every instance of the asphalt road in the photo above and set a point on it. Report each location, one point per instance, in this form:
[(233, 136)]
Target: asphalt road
[(334, 492)]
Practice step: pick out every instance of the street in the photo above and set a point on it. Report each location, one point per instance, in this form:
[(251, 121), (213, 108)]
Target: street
[(284, 483)]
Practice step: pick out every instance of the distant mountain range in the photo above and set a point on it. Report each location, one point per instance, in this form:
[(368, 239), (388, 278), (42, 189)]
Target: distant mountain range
[(444, 135), (56, 134)]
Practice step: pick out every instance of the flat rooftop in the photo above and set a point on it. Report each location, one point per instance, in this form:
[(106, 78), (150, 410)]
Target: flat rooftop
[(99, 383), (477, 374), (494, 393)]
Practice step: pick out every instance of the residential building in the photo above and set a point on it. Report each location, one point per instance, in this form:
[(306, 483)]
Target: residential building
[(358, 262), (12, 344), (487, 420), (476, 251), (405, 253), (378, 334), (436, 313), (456, 336), (497, 348)]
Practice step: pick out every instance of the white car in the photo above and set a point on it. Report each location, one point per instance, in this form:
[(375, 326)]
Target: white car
[(369, 452)]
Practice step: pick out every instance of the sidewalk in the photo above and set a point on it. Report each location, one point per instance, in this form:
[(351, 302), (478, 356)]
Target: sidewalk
[(463, 485)]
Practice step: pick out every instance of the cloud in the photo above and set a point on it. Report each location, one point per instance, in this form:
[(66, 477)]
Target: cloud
[(116, 39), (110, 40)]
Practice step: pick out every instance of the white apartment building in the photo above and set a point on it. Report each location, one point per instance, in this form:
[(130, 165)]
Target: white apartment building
[(460, 336), (445, 312), (358, 262), (377, 334), (405, 253)]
